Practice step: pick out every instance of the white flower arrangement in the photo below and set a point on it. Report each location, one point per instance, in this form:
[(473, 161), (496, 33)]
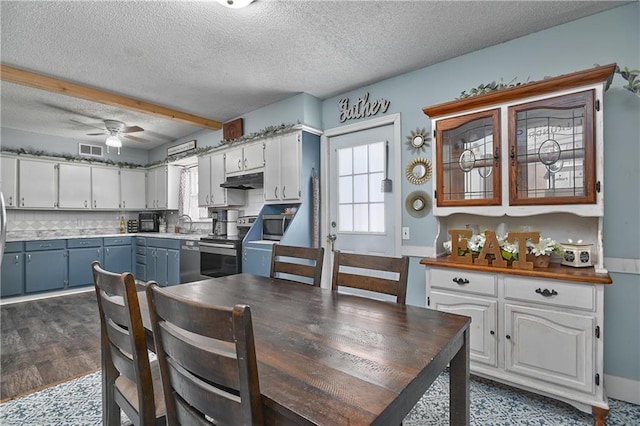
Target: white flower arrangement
[(544, 247), (509, 251)]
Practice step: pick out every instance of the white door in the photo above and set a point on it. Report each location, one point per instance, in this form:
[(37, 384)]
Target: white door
[(357, 214)]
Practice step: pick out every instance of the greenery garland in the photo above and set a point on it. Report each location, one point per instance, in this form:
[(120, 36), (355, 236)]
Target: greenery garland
[(630, 76), (264, 133), (490, 87)]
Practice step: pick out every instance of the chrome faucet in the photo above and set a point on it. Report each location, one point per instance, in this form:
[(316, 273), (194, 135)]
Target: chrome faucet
[(186, 216)]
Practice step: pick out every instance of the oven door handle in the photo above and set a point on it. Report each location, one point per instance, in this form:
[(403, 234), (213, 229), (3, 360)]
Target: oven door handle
[(214, 245)]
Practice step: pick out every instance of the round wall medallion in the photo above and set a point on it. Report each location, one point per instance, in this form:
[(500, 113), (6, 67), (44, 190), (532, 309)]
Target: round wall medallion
[(419, 171), (418, 204), (417, 140)]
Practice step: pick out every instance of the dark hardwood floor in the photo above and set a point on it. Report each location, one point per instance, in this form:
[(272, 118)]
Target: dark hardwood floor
[(47, 341)]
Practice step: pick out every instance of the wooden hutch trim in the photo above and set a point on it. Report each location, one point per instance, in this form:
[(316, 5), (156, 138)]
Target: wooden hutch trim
[(549, 85)]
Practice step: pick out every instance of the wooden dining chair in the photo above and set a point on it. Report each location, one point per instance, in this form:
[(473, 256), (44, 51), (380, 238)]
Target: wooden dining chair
[(133, 383), (207, 359), (302, 264), (361, 265)]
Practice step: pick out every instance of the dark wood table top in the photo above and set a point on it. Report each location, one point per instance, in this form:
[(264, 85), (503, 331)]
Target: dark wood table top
[(334, 359)]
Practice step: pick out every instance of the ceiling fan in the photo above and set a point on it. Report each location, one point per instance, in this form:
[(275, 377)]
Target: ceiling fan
[(114, 130)]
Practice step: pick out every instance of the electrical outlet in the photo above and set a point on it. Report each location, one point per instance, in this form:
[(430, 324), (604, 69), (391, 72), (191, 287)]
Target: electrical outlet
[(405, 233)]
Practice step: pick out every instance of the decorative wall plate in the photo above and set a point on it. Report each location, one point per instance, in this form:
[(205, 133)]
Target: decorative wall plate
[(417, 140), (419, 171), (418, 204)]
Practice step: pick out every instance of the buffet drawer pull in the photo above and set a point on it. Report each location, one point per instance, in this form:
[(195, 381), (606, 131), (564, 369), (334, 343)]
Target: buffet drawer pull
[(460, 281), (546, 292)]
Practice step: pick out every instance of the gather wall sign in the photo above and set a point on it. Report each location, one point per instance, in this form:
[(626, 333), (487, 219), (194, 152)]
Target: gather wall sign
[(361, 108)]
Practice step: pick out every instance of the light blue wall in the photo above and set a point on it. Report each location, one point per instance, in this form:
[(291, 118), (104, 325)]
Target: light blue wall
[(608, 37), (12, 138)]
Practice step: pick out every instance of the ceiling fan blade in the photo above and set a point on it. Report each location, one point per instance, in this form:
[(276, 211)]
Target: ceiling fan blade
[(136, 138), (87, 125), (97, 134), (132, 129)]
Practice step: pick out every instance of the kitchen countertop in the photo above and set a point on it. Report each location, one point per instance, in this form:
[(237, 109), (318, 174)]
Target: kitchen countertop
[(53, 235)]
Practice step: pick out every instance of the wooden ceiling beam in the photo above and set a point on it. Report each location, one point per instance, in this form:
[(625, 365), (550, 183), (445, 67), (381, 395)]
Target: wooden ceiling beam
[(50, 84)]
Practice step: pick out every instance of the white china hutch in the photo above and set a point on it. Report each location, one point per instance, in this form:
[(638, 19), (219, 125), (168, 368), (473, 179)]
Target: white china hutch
[(526, 158)]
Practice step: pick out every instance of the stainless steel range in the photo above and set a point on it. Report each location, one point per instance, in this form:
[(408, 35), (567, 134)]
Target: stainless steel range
[(221, 255)]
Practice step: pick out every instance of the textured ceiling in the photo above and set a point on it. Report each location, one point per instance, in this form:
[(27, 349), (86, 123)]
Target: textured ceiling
[(219, 63)]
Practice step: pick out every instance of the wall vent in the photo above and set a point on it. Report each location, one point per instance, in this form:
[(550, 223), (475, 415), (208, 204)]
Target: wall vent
[(90, 150)]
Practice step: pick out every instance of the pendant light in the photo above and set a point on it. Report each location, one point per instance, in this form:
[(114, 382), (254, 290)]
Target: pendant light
[(114, 141)]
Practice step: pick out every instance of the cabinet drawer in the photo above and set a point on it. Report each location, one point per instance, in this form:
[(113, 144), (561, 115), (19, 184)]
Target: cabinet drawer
[(13, 247), (141, 259), (164, 243), (556, 293), (117, 241), (45, 245), (460, 280), (141, 241), (140, 250), (84, 242)]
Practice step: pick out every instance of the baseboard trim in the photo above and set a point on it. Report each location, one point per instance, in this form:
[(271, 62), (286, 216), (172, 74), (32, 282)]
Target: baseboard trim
[(622, 388), (30, 297)]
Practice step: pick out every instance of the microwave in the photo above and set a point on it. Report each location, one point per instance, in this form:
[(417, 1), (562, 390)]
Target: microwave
[(275, 225), (149, 222)]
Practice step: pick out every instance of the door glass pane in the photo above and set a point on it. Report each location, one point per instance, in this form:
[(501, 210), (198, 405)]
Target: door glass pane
[(359, 185), (360, 188), (551, 152), (345, 191), (468, 160), (360, 159), (345, 218), (361, 217), (345, 161), (376, 217), (376, 157)]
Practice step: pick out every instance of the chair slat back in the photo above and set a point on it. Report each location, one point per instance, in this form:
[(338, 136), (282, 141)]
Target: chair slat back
[(307, 265), (360, 263), (123, 337), (207, 360)]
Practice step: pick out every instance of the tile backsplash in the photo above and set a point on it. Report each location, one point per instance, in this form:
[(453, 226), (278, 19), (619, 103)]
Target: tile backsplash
[(44, 223)]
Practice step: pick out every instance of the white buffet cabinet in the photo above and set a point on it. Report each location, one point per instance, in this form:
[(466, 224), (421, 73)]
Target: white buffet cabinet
[(526, 158)]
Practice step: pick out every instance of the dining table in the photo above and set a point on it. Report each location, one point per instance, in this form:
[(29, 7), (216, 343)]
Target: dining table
[(332, 358)]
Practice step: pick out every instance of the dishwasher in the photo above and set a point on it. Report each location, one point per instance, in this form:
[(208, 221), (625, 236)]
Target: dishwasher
[(190, 261)]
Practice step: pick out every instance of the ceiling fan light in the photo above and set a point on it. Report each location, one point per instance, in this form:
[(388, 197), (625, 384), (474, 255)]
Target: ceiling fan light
[(113, 141), (235, 4)]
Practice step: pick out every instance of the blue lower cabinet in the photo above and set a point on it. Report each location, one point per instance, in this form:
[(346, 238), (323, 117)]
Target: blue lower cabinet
[(163, 261), (82, 253), (12, 270), (45, 265), (257, 260), (118, 254)]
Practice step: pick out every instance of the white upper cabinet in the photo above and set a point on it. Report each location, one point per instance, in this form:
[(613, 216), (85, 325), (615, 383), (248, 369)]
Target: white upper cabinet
[(282, 172), (37, 184), (211, 173), (244, 159), (8, 180), (105, 188), (162, 187), (132, 189), (74, 186)]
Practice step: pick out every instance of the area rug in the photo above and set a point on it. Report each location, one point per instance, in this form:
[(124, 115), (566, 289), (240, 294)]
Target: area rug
[(79, 402)]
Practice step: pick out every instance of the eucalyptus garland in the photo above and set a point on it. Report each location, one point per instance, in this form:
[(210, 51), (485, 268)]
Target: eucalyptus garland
[(70, 158), (490, 87), (264, 133)]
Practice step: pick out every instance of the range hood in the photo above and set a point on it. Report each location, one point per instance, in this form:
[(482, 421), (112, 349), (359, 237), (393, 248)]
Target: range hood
[(250, 181)]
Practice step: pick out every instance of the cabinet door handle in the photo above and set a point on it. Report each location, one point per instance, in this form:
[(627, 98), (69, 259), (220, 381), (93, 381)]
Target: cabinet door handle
[(284, 194), (29, 258), (239, 164), (546, 292), (245, 163), (275, 192), (22, 201), (85, 203), (98, 252), (11, 200), (460, 281), (124, 204), (496, 157), (16, 259)]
